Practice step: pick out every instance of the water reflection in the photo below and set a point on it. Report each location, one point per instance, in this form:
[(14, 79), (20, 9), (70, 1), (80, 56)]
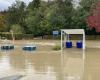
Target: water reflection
[(72, 64), (92, 64), (4, 63), (18, 60)]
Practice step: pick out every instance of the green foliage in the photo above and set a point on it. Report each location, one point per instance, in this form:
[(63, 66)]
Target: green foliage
[(83, 11), (16, 28), (55, 19), (86, 4), (16, 14), (41, 18), (57, 47), (79, 19), (2, 22), (34, 4), (33, 21)]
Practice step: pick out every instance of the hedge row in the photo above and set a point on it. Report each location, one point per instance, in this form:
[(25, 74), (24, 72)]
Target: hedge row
[(31, 36)]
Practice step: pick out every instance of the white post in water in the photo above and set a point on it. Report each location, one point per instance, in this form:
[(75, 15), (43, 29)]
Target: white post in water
[(12, 34), (61, 41), (64, 40), (83, 40)]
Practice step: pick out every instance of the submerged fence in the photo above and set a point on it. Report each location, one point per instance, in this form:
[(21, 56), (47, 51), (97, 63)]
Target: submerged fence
[(20, 36)]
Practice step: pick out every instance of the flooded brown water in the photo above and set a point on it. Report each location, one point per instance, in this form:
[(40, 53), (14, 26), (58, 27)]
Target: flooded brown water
[(46, 64)]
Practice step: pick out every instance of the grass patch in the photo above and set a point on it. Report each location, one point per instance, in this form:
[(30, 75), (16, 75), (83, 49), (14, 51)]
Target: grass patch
[(57, 47)]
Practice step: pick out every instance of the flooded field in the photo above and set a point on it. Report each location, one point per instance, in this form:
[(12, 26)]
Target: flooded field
[(47, 64)]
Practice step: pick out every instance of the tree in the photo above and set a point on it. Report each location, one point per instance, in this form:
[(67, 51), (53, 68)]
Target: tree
[(33, 21), (93, 20), (49, 16), (79, 18), (55, 19), (34, 4), (42, 17), (16, 28), (2, 21), (16, 14), (86, 4), (59, 14), (80, 13)]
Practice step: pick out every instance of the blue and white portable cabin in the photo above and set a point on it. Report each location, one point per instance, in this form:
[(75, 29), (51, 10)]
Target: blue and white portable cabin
[(67, 42)]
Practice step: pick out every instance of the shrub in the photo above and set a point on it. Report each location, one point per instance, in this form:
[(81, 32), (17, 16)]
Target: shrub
[(17, 28), (57, 47)]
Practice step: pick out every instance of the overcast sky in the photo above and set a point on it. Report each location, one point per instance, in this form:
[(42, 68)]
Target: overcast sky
[(5, 3)]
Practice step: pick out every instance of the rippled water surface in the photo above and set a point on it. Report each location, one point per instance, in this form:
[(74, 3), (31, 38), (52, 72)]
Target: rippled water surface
[(44, 64)]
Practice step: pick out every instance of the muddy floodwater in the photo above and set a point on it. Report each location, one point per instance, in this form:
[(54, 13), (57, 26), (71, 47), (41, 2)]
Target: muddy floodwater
[(47, 64)]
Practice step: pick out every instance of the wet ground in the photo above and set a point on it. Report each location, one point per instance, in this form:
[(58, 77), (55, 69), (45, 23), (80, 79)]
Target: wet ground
[(46, 64)]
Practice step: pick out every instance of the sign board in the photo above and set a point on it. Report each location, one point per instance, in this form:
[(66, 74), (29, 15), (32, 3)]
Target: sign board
[(55, 32)]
